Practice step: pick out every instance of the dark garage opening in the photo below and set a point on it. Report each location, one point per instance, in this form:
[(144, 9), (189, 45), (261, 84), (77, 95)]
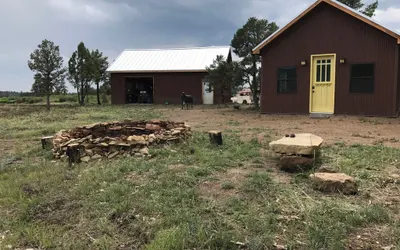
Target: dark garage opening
[(139, 90)]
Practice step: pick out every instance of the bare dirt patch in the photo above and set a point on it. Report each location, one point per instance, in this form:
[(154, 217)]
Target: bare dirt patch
[(226, 184), (178, 167), (373, 238), (279, 176), (252, 124), (386, 189), (214, 189), (6, 147), (140, 179)]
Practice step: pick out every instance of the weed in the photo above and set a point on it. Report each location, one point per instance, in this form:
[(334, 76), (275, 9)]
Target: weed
[(233, 123), (326, 232), (227, 185), (257, 182), (362, 136), (340, 144)]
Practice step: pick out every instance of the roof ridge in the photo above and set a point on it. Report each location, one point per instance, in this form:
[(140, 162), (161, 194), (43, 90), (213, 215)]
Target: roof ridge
[(181, 48)]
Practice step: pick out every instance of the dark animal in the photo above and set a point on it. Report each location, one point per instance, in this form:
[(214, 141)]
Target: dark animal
[(187, 100), (73, 154)]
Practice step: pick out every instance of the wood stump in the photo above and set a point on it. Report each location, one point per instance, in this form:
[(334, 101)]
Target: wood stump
[(47, 141), (215, 137)]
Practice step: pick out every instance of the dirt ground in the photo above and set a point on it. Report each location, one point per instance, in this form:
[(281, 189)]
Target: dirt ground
[(251, 124)]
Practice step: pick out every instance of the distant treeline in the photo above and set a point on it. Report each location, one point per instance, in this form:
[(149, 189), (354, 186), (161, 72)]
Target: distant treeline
[(15, 93), (91, 91)]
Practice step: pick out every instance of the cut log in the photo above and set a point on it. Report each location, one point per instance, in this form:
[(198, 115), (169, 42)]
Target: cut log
[(215, 137), (47, 141)]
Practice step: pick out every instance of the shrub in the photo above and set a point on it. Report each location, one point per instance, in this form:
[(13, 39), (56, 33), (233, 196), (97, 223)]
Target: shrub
[(62, 99), (20, 100), (4, 100), (33, 100), (104, 98), (67, 99)]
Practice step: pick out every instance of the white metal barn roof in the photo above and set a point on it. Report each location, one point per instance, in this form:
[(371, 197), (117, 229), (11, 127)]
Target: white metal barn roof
[(167, 60)]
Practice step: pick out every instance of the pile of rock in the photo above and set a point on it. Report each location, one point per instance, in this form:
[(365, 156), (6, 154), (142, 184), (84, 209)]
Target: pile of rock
[(297, 152), (334, 183), (111, 139)]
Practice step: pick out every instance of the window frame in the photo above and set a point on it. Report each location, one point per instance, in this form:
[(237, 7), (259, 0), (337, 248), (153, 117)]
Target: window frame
[(351, 78), (294, 79)]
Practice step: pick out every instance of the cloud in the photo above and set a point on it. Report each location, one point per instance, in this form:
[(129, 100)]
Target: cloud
[(390, 17), (91, 11), (114, 25)]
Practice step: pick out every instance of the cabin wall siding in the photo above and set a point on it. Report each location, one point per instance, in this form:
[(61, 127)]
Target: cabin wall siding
[(327, 30)]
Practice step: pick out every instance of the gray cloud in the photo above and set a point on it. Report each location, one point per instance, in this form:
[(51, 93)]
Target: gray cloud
[(114, 25)]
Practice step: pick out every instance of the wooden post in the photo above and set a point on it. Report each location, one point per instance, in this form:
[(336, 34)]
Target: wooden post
[(47, 141), (215, 137)]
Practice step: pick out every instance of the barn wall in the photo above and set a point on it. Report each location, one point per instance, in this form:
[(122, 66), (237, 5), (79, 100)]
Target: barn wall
[(398, 78), (329, 30), (167, 86)]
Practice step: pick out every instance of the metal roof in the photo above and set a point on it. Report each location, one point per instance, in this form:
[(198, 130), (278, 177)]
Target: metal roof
[(167, 60), (333, 3)]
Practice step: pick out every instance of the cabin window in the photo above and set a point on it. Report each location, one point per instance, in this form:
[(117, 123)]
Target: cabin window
[(287, 80), (362, 78)]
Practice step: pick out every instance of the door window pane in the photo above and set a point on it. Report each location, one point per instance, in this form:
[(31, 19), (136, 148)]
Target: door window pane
[(328, 73)]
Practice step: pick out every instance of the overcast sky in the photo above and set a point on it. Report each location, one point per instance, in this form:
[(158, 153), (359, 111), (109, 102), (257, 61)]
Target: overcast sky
[(115, 25)]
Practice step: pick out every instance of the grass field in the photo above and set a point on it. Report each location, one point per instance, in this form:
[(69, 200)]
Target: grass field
[(54, 99), (229, 197)]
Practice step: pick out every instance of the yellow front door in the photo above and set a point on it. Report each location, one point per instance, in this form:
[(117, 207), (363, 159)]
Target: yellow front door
[(322, 83)]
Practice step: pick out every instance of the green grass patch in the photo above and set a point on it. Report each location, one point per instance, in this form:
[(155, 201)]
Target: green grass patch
[(160, 202)]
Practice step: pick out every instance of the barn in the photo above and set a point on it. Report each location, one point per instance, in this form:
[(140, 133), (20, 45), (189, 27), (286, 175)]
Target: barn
[(161, 75), (329, 60)]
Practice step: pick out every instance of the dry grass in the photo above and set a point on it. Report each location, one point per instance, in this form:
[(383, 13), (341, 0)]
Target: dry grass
[(189, 196)]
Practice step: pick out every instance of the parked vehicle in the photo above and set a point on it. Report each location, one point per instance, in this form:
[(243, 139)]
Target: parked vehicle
[(243, 97)]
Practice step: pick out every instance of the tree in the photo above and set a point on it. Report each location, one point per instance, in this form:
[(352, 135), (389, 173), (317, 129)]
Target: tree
[(358, 5), (80, 71), (38, 86), (99, 67), (61, 89), (243, 42), (106, 87), (47, 63), (224, 76)]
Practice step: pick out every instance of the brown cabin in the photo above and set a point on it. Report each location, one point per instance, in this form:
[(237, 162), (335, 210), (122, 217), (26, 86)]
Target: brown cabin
[(161, 75), (329, 60)]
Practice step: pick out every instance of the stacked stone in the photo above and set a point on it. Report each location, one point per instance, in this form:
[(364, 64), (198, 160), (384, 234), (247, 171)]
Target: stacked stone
[(298, 152), (112, 139)]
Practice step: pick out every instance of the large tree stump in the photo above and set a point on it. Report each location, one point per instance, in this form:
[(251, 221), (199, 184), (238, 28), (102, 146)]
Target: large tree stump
[(215, 137), (47, 141)]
